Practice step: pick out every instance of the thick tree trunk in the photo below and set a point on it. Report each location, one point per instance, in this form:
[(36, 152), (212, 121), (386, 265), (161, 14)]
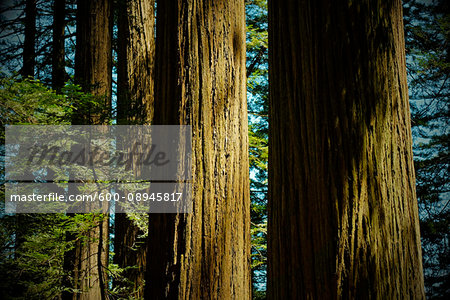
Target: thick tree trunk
[(58, 55), (29, 52), (93, 72), (200, 80), (135, 50), (93, 55), (343, 220)]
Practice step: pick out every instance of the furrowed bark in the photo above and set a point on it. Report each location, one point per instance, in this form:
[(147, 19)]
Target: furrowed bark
[(200, 80), (93, 73), (93, 56), (136, 50), (343, 216)]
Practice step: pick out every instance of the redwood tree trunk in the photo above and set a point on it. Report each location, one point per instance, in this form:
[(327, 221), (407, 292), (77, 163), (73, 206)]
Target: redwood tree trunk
[(93, 55), (200, 80), (135, 61), (136, 50), (343, 220), (29, 52), (93, 72), (58, 55)]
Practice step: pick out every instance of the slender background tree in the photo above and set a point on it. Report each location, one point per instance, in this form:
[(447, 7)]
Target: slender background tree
[(29, 51), (58, 50)]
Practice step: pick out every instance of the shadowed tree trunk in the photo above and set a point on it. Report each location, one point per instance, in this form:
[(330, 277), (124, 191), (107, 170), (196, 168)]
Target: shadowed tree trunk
[(343, 220), (58, 55), (135, 63), (200, 81), (29, 52), (93, 72), (93, 55), (136, 49)]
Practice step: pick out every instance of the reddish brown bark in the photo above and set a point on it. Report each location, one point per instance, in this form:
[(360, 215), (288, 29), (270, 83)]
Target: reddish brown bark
[(343, 220), (200, 81)]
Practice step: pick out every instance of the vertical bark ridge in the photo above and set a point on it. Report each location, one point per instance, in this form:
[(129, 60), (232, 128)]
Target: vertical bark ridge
[(93, 72), (343, 220), (200, 81), (93, 56), (136, 49)]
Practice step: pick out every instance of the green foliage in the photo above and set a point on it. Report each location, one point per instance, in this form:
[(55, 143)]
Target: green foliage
[(257, 91), (32, 246), (32, 269), (31, 102), (141, 221), (123, 287), (258, 148)]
